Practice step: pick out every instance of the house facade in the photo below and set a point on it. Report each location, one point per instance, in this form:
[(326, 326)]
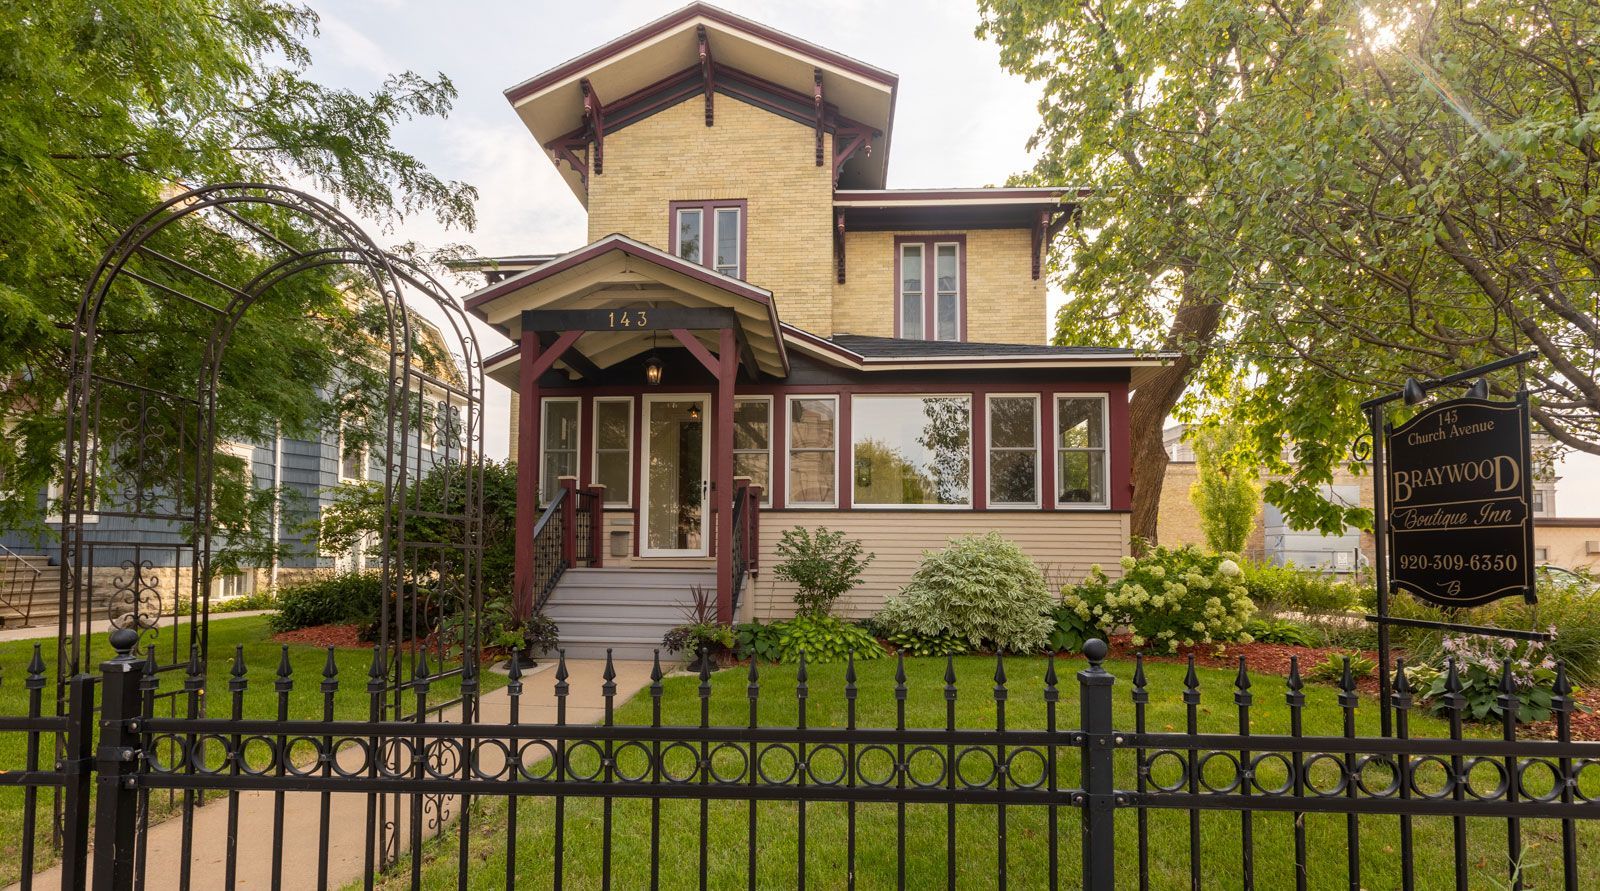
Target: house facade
[(759, 328)]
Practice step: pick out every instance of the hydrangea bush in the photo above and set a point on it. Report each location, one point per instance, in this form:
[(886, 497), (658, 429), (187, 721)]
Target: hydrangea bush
[(1169, 598), (981, 590)]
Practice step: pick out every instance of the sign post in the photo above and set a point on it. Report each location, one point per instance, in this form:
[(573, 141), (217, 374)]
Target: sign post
[(1453, 519)]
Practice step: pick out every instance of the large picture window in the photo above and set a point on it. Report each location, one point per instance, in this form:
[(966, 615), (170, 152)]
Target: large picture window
[(929, 279), (559, 446), (1014, 451), (1081, 465), (613, 449), (912, 450), (813, 451), (710, 233), (752, 443)]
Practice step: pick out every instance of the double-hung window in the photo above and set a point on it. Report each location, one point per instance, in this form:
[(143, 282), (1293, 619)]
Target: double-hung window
[(813, 451), (559, 446), (613, 448), (710, 233), (752, 443), (1014, 451), (1081, 465), (930, 282), (352, 457)]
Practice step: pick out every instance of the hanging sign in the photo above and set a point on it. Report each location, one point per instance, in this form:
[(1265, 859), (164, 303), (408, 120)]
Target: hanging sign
[(1459, 494)]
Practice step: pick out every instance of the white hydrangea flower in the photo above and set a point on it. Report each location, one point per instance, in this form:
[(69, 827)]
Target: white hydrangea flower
[(1229, 569)]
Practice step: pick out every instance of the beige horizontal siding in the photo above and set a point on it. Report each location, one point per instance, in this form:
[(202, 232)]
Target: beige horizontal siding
[(1063, 543)]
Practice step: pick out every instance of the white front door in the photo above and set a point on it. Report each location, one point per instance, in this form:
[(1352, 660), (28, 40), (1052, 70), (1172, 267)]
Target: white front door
[(677, 468)]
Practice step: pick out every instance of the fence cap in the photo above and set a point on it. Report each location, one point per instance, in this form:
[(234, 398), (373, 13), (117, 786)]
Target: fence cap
[(1095, 650), (123, 640)]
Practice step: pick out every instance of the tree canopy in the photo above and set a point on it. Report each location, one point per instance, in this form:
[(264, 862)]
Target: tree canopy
[(1318, 200), (112, 106)]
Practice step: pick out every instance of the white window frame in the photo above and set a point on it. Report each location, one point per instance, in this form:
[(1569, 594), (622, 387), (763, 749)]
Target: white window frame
[(339, 461), (930, 307), (1055, 454), (789, 450), (766, 493), (677, 238), (544, 428), (738, 239), (594, 446), (855, 432), (989, 450), (900, 292)]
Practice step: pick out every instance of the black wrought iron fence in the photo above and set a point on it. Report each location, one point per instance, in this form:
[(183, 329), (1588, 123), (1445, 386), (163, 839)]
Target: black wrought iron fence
[(1023, 799)]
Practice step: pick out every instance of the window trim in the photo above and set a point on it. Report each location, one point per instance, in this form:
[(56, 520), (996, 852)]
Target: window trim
[(789, 450), (930, 289), (339, 461), (544, 429), (989, 449), (594, 448), (1055, 454), (708, 230), (766, 493), (969, 504)]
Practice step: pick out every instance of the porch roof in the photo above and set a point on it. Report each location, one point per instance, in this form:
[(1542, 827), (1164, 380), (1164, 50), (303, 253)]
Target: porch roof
[(618, 272), (864, 353)]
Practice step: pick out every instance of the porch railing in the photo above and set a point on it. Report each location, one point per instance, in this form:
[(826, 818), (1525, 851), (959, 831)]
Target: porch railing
[(19, 584), (746, 542), (549, 545), (570, 532)]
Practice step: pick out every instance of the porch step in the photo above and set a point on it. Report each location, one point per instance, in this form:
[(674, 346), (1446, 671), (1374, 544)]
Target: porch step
[(626, 610)]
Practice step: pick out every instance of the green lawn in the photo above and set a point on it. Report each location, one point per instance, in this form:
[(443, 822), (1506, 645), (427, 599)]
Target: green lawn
[(260, 701), (976, 824)]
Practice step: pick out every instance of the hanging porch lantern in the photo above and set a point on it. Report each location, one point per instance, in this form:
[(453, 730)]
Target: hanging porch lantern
[(652, 370)]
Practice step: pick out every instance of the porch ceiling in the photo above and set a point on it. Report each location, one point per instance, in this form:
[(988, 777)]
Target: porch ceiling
[(617, 272)]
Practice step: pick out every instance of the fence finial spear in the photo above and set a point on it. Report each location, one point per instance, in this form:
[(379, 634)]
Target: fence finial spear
[(376, 673), (1295, 696), (610, 674), (330, 667), (655, 667), (850, 676), (1139, 680), (1241, 684), (1401, 695), (36, 666), (285, 667), (1050, 673)]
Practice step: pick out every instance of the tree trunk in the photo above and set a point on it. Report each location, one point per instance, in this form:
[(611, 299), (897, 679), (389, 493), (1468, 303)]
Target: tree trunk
[(1193, 331)]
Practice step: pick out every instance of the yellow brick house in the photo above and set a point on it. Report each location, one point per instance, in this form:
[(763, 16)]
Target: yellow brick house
[(760, 335)]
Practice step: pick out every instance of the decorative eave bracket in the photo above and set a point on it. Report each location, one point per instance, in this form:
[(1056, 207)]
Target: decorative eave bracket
[(708, 70), (817, 106), (594, 117), (567, 149), (1045, 228), (838, 247), (847, 140)]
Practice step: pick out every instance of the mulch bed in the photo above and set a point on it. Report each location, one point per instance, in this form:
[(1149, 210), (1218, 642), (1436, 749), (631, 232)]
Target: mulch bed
[(343, 636)]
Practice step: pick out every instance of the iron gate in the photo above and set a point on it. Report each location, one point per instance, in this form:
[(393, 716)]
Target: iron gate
[(1069, 807)]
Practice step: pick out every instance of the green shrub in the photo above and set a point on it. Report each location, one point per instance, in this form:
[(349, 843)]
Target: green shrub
[(980, 589), (915, 643), (754, 640), (690, 639), (1071, 630), (1226, 496), (1169, 597), (1289, 589), (824, 639), (1331, 669), (267, 599), (823, 564), (1481, 664), (345, 598), (1281, 631)]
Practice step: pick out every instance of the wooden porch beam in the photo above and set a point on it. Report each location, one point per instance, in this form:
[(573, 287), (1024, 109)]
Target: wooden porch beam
[(624, 319), (548, 357), (527, 456), (699, 351), (708, 70), (722, 471), (573, 359)]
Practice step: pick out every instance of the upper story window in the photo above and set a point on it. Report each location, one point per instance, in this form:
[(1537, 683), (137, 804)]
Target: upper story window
[(710, 233), (931, 276)]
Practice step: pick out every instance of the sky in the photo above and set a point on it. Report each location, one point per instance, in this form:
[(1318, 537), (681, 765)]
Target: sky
[(959, 119)]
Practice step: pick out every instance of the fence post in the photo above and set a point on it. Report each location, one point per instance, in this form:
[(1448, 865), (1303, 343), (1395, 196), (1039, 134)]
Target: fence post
[(1098, 797), (117, 764), (77, 763), (569, 521)]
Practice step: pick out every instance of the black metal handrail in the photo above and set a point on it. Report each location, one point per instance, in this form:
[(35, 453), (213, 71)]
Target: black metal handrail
[(13, 580), (584, 528), (549, 561)]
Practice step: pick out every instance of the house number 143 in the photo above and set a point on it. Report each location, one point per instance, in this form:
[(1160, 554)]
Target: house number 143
[(626, 318)]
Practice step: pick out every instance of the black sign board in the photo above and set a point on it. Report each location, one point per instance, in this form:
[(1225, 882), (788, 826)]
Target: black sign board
[(1459, 495)]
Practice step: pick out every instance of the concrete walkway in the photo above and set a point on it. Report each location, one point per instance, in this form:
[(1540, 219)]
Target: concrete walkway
[(348, 812)]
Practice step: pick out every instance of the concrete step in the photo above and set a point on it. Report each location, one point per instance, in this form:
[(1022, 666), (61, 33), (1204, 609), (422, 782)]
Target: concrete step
[(595, 646), (627, 610), (638, 610)]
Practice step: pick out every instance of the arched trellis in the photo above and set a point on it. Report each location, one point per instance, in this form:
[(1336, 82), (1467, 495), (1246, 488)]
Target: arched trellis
[(139, 523)]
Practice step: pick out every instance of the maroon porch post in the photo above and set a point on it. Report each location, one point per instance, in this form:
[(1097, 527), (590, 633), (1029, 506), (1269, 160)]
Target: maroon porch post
[(752, 551), (597, 525), (569, 521), (527, 473), (722, 471)]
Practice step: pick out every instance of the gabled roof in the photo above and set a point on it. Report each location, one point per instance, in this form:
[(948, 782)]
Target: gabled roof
[(551, 104), (619, 272)]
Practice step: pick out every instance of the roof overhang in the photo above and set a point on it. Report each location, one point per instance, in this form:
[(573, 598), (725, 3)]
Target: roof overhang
[(551, 104), (1140, 366), (617, 272), (866, 210)]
